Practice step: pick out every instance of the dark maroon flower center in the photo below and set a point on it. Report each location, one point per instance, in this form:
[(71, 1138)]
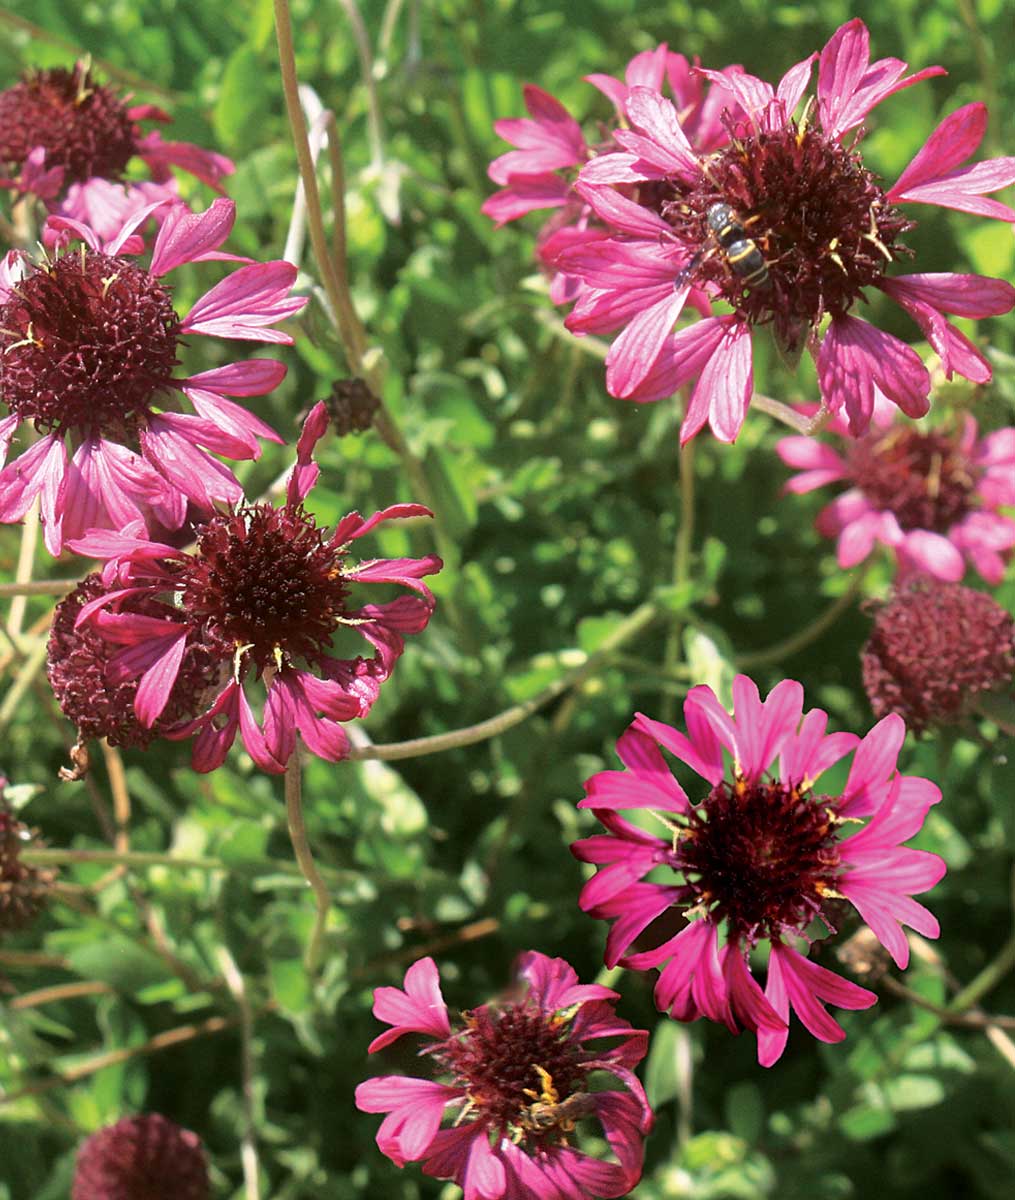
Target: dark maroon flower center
[(923, 478), (83, 126), (516, 1063), (933, 648), (266, 584), (78, 670), (87, 343), (760, 856), (811, 227), (142, 1158)]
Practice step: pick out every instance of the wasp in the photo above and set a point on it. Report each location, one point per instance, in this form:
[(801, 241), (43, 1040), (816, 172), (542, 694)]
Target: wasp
[(729, 235), (741, 252)]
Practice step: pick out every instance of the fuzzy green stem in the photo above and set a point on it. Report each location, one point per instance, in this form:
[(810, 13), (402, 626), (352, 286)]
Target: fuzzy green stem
[(301, 848)]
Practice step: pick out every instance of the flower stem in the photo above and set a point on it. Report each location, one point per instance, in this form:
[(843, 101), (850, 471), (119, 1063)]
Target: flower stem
[(88, 1066), (349, 327), (988, 978), (628, 629), (248, 1145), (26, 560), (142, 859), (39, 587), (301, 848), (681, 565), (804, 637), (789, 416), (336, 286), (366, 62)]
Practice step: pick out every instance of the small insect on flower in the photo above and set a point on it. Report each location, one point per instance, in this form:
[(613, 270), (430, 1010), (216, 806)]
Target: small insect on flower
[(548, 1111), (740, 252)]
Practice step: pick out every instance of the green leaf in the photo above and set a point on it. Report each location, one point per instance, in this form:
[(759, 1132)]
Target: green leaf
[(119, 962), (238, 117)]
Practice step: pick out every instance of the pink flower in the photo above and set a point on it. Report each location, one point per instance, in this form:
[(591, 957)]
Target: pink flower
[(263, 596), (932, 497), (758, 858), (90, 343), (540, 173), (787, 225), (68, 139), (518, 1072)]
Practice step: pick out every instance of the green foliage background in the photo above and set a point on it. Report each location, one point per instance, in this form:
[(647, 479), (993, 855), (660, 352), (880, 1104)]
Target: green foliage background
[(561, 506)]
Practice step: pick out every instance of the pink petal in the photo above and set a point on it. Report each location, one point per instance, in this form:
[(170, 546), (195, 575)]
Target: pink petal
[(634, 352), (874, 762), (682, 358), (186, 236), (701, 751), (193, 472), (842, 65), (762, 729), (206, 165), (239, 425), (622, 213), (854, 356), (933, 553), (727, 381), (526, 195), (156, 684), (246, 302), (953, 141), (251, 377), (655, 116)]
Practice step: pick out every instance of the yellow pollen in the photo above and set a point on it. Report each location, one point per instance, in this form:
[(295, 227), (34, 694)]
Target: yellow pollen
[(28, 340), (238, 654)]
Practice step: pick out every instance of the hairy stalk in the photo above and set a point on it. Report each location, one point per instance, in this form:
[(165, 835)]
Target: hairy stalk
[(789, 416), (61, 991), (301, 848)]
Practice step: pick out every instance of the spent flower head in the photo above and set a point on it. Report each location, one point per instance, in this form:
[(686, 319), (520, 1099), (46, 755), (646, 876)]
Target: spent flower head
[(516, 1075), (99, 697), (70, 140), (934, 651), (788, 225), (261, 597), (89, 344), (24, 889), (762, 857), (141, 1158), (932, 494)]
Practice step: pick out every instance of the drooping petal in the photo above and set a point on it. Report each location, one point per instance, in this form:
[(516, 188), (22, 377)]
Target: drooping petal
[(854, 356)]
